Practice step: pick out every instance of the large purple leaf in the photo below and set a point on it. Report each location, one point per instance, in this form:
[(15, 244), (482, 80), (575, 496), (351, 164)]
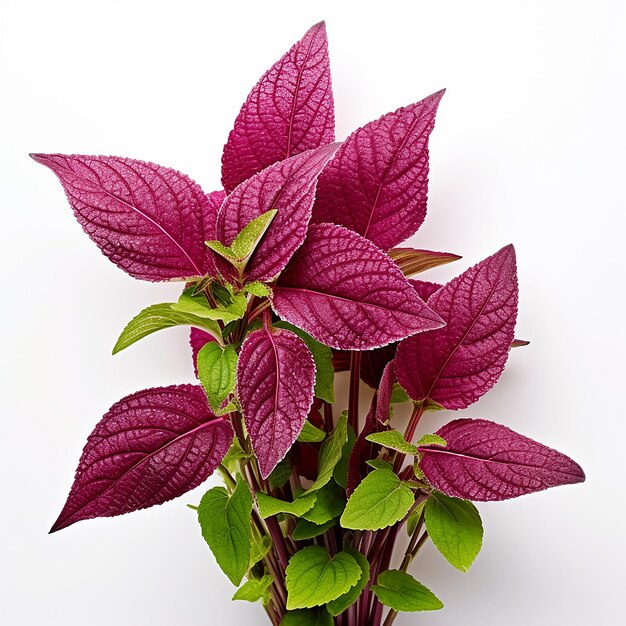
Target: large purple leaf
[(348, 294), (289, 187), (290, 110), (457, 364), (150, 447), (148, 219), (486, 461), (275, 387), (377, 185)]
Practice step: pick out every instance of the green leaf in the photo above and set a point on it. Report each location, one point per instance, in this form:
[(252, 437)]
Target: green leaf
[(311, 434), (280, 474), (255, 589), (259, 548), (398, 395), (413, 519), (340, 604), (402, 592), (381, 500), (393, 440), (217, 371), (431, 440), (318, 616), (234, 455), (197, 305), (158, 317), (257, 289), (340, 473), (307, 530), (323, 357), (270, 506), (225, 523), (455, 528), (328, 506), (330, 452), (313, 578), (379, 464), (242, 247)]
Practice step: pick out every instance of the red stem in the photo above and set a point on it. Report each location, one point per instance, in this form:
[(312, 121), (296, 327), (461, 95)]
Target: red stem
[(355, 381)]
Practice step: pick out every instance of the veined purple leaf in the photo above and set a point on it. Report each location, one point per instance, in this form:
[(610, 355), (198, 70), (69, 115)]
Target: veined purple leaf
[(290, 110), (209, 219), (289, 187), (344, 291), (457, 364), (275, 386), (383, 395), (148, 219), (198, 338), (487, 461), (150, 447), (377, 185), (424, 288)]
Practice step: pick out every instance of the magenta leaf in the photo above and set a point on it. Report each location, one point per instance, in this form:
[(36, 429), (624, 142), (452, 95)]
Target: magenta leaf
[(290, 110), (198, 338), (344, 291), (275, 387), (150, 447), (457, 364), (487, 461), (148, 219), (377, 185), (289, 187)]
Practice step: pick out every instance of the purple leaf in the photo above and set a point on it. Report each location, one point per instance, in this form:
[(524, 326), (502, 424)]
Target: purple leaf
[(148, 219), (197, 339), (290, 110), (348, 294), (209, 220), (424, 288), (486, 461), (275, 383), (150, 447), (289, 187), (377, 184), (383, 395), (457, 364)]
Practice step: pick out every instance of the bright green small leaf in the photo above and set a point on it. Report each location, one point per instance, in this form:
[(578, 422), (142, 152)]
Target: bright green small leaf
[(414, 519), (381, 500), (318, 616), (307, 530), (242, 247), (330, 452), (329, 505), (340, 473), (398, 395), (259, 548), (257, 289), (270, 506), (455, 528), (379, 464), (225, 523), (234, 455), (217, 371), (340, 604), (158, 317), (255, 589), (402, 592), (246, 241), (280, 474), (393, 440), (431, 440), (314, 578), (311, 434), (198, 305), (323, 357)]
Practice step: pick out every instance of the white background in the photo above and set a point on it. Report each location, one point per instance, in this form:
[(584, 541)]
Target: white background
[(529, 147)]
